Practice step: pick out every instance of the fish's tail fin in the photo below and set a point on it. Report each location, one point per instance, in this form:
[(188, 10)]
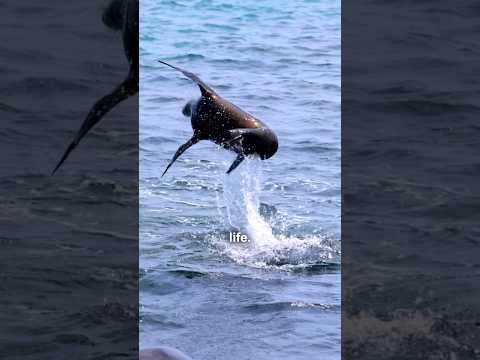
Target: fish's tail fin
[(114, 14)]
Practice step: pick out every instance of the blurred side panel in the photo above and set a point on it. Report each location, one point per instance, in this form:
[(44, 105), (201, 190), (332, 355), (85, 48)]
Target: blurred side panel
[(68, 241), (410, 170)]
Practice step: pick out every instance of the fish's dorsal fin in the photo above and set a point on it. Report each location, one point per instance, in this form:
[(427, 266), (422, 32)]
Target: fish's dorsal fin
[(204, 88)]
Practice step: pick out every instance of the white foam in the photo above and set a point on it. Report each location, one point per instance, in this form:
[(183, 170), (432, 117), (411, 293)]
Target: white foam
[(239, 205)]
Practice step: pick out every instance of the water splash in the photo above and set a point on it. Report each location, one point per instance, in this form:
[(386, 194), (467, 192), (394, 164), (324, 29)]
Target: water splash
[(270, 243)]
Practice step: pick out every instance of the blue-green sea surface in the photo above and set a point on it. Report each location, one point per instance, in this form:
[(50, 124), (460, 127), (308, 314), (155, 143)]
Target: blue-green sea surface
[(277, 296)]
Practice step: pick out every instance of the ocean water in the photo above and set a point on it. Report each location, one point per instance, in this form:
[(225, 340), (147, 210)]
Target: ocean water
[(277, 296), (68, 262)]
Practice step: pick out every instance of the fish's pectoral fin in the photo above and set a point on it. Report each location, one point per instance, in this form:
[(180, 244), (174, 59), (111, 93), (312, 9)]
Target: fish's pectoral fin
[(204, 88), (235, 137), (229, 142), (181, 150), (237, 162)]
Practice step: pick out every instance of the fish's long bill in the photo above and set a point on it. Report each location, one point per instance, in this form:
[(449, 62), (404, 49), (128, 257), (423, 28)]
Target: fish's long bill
[(126, 89), (181, 150)]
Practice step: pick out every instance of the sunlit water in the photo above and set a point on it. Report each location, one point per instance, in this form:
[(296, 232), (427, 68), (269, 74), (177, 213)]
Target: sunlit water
[(278, 295)]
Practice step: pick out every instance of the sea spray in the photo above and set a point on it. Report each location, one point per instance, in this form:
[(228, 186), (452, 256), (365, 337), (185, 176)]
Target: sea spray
[(241, 197), (239, 208)]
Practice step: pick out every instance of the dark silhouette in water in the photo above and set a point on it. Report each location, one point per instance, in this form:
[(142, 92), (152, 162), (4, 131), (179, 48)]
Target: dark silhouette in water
[(119, 15), (216, 119)]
